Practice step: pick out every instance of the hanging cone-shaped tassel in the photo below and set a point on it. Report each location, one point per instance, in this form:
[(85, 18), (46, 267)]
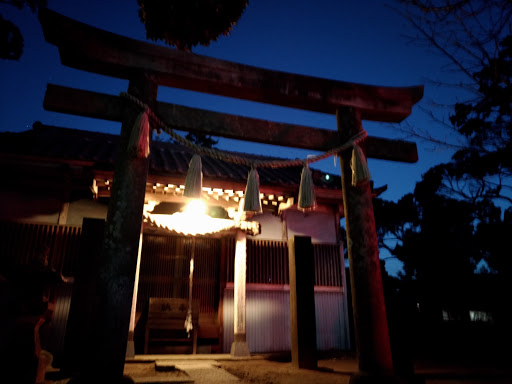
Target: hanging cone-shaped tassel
[(360, 171), (252, 202), (139, 137), (194, 180), (307, 200), (188, 322)]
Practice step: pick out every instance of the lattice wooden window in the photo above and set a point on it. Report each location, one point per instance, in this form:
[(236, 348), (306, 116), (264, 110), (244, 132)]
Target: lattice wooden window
[(267, 262), (165, 266), (22, 243)]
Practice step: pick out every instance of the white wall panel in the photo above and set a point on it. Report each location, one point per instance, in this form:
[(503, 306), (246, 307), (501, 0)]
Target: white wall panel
[(330, 330), (268, 320), (271, 227), (320, 226)]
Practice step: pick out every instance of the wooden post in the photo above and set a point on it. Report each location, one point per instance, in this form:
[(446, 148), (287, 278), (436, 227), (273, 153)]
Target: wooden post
[(371, 328), (116, 275), (222, 286), (239, 346), (302, 302), (81, 310), (346, 323), (130, 348)]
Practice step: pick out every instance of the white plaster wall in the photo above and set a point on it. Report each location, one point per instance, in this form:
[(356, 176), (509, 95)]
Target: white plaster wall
[(271, 227), (320, 226), (85, 208), (46, 209), (28, 207)]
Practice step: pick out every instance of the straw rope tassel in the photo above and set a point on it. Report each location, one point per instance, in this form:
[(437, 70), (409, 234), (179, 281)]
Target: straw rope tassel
[(139, 137), (307, 200), (252, 202), (360, 171), (194, 180)]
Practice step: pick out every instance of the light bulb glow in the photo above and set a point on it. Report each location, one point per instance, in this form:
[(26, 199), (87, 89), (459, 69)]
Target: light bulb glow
[(195, 207), (194, 220)]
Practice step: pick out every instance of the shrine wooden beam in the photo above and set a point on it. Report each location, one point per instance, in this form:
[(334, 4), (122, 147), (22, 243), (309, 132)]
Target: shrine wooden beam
[(109, 107), (84, 47)]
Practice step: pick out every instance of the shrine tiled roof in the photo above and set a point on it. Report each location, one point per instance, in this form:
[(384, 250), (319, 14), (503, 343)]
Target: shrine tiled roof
[(55, 144)]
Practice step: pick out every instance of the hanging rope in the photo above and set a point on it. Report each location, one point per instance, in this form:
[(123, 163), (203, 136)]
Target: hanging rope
[(188, 321), (229, 157)]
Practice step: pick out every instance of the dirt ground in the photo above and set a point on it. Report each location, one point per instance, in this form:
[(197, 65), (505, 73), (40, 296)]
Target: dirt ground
[(273, 372), (330, 371), (258, 371), (337, 370)]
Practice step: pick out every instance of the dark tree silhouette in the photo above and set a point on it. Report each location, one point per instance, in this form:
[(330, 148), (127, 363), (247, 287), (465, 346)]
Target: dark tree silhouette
[(203, 140), (487, 124), (11, 38), (185, 24), (475, 37)]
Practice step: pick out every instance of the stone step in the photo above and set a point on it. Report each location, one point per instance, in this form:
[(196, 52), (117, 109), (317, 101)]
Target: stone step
[(201, 371), (162, 380), (183, 365), (147, 373)]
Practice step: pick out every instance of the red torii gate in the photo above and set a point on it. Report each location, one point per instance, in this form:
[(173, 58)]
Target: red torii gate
[(146, 66)]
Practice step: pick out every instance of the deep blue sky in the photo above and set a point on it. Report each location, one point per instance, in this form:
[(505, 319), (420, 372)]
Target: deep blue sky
[(356, 41)]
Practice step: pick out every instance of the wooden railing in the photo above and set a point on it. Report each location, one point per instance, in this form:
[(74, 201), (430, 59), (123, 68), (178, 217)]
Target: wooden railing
[(328, 266), (267, 263), (22, 243)]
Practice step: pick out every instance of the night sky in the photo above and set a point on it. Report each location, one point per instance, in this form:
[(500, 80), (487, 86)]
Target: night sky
[(355, 41)]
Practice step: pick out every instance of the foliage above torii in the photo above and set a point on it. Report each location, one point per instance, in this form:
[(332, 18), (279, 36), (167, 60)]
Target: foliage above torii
[(487, 124), (475, 37), (456, 224), (185, 24), (11, 39)]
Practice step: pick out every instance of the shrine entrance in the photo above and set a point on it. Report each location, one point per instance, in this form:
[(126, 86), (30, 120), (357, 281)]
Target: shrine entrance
[(147, 66), (165, 273)]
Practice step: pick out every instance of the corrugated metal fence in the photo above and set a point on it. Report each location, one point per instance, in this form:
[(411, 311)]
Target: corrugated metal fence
[(268, 319)]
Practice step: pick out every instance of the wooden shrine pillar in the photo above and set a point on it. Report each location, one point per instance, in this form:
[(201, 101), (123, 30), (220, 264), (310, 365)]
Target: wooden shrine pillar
[(116, 275), (302, 302), (240, 347), (369, 310)]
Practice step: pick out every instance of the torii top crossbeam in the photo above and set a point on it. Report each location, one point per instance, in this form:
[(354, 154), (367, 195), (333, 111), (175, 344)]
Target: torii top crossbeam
[(84, 47)]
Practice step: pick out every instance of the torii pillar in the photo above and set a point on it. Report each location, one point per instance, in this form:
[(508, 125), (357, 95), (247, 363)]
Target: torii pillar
[(116, 275), (371, 328)]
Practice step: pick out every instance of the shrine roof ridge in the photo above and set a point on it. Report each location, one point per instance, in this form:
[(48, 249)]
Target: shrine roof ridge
[(99, 150)]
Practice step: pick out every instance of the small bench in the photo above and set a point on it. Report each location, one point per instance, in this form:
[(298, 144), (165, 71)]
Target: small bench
[(168, 317)]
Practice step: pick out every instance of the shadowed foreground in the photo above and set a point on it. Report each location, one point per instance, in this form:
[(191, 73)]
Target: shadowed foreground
[(273, 369)]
